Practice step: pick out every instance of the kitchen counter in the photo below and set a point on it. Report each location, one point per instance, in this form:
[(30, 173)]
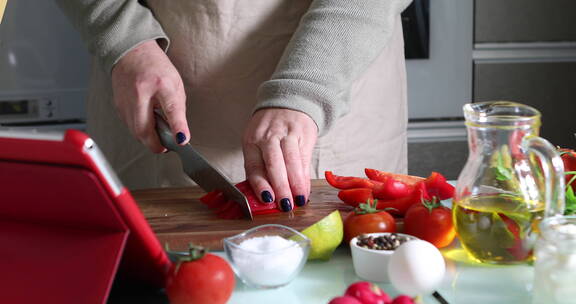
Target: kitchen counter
[(466, 281)]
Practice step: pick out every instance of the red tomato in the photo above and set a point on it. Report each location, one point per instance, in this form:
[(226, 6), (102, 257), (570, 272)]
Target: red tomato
[(367, 293), (208, 279), (431, 222), (373, 220), (355, 196), (437, 186), (347, 182), (569, 160)]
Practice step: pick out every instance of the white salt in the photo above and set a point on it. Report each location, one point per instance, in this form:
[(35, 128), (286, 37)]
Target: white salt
[(268, 260)]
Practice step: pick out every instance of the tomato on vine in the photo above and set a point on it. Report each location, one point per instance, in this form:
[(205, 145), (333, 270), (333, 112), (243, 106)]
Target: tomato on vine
[(366, 218), (200, 277), (430, 221)]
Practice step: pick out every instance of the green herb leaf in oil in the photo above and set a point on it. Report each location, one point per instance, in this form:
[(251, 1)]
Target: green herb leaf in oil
[(570, 202), (570, 196), (503, 173)]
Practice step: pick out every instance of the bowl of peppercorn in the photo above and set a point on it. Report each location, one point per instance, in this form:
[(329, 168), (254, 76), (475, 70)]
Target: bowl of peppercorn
[(372, 251)]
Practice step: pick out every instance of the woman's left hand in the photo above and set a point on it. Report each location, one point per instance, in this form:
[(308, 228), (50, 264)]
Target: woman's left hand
[(277, 146)]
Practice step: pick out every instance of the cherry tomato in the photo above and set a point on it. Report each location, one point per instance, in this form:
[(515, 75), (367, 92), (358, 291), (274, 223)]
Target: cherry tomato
[(355, 196), (569, 160), (367, 219), (205, 278), (430, 221), (367, 293)]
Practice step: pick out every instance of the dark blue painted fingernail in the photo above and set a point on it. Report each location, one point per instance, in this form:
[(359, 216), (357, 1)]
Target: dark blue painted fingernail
[(180, 137), (267, 196), (285, 205), (300, 200)]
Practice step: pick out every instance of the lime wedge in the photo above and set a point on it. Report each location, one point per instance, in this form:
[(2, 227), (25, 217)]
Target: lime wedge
[(325, 235)]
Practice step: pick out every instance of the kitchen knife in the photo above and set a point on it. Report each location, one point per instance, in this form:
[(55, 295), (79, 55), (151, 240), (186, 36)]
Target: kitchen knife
[(198, 168)]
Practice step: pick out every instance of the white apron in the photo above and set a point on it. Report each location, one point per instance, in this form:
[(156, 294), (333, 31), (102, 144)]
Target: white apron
[(224, 49)]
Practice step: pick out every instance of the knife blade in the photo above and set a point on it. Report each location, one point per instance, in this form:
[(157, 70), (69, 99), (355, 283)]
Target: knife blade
[(199, 169)]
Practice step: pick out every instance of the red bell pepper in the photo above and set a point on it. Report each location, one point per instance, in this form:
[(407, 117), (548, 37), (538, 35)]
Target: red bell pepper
[(437, 186), (228, 209), (392, 189), (382, 176), (397, 191), (355, 196), (399, 206), (347, 182)]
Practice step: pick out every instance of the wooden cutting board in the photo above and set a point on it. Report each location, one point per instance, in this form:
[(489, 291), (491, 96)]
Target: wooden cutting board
[(178, 217)]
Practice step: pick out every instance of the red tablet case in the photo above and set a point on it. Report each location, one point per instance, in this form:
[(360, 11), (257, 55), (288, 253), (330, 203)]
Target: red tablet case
[(68, 227)]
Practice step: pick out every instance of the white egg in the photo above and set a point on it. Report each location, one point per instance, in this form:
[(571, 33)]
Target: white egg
[(416, 267)]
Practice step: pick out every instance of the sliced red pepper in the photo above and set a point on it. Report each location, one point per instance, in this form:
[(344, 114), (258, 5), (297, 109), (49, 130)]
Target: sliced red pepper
[(355, 196), (399, 206), (397, 191), (228, 209), (517, 250), (213, 199), (347, 182), (437, 186), (381, 176), (392, 189)]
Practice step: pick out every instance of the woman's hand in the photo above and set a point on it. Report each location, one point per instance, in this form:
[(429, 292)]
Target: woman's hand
[(144, 79), (277, 147)]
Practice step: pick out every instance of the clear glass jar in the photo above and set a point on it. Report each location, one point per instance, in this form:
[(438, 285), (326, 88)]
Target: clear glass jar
[(555, 265), (511, 181)]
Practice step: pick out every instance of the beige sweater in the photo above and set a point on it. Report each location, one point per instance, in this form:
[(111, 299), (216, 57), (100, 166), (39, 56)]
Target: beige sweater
[(334, 43)]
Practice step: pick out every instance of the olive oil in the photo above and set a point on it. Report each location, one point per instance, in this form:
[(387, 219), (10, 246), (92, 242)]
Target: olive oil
[(498, 229)]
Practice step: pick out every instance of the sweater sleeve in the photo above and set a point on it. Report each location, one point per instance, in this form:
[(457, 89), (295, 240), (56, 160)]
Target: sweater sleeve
[(334, 43), (111, 28)]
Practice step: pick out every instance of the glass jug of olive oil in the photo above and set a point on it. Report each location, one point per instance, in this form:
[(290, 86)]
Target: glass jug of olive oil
[(511, 180)]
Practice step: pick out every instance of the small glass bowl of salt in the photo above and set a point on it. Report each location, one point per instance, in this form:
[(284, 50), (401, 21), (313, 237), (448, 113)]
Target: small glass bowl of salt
[(267, 256)]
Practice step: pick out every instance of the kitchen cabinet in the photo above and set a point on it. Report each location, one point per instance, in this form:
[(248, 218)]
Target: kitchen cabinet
[(525, 51), (524, 21), (519, 50), (547, 86)]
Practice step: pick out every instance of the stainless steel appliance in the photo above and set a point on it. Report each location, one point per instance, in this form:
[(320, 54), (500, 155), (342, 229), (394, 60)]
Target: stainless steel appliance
[(43, 68)]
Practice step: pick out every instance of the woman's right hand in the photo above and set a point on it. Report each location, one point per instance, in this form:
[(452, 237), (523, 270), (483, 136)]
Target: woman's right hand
[(144, 79)]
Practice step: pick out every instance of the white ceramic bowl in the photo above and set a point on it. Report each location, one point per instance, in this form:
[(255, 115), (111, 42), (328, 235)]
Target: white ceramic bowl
[(268, 268), (372, 264)]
